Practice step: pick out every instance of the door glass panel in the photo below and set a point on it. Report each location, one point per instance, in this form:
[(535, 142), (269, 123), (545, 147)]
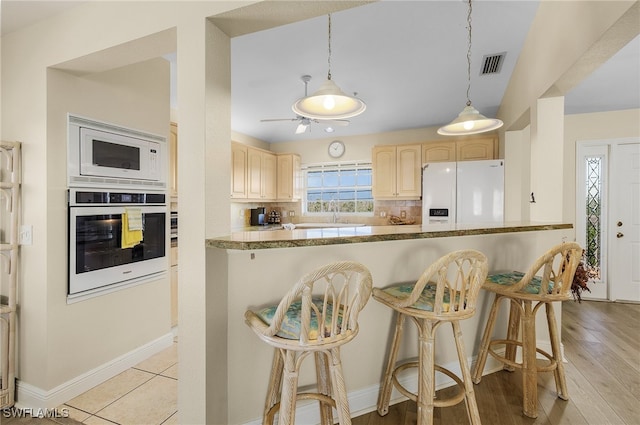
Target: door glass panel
[(99, 241), (594, 216), (116, 155)]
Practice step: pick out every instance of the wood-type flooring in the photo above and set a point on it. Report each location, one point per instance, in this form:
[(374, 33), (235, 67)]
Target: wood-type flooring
[(602, 346)]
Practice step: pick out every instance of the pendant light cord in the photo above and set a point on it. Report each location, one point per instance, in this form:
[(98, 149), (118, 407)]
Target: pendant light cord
[(469, 56), (329, 59)]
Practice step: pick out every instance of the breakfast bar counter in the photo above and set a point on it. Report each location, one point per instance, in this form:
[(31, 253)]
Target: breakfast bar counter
[(255, 268), (250, 240)]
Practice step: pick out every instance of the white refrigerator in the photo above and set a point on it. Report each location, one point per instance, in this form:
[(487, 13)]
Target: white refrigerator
[(463, 192)]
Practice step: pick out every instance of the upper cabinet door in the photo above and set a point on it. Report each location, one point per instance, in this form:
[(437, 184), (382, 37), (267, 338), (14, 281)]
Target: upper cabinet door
[(384, 172), (476, 149), (254, 174), (438, 152), (268, 176), (238, 171), (396, 171), (408, 174), (288, 177)]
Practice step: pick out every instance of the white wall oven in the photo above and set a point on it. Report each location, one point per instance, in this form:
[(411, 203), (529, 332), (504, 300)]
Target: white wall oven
[(105, 251)]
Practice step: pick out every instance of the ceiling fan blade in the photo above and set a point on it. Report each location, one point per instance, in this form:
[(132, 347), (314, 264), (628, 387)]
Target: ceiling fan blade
[(302, 127), (341, 123), (279, 119)]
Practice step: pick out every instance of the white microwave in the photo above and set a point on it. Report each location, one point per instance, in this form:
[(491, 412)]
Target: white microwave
[(106, 155)]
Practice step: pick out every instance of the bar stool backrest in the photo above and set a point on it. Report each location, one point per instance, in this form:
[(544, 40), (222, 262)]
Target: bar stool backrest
[(330, 299), (457, 278), (555, 270)]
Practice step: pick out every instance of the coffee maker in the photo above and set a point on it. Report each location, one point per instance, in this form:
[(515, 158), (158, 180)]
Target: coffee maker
[(258, 216)]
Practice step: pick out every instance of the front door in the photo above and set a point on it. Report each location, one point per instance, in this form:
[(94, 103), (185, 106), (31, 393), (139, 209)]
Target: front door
[(608, 216), (625, 222)]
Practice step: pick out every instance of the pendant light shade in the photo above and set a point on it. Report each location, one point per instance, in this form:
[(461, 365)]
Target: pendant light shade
[(329, 102), (469, 121)]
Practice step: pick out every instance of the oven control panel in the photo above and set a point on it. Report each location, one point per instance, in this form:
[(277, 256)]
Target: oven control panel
[(100, 198)]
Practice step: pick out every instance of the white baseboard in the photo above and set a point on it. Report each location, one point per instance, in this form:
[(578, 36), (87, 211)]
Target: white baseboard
[(32, 397)]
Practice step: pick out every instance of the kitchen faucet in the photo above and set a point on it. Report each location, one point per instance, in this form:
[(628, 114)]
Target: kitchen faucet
[(333, 206)]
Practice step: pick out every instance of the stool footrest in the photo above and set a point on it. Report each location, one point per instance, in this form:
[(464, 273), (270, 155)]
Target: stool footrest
[(301, 396), (451, 401), (550, 366)]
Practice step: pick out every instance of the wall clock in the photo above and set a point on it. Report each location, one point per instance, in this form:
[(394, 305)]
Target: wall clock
[(336, 149)]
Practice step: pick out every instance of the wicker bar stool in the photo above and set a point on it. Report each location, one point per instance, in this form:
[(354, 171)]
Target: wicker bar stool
[(317, 316), (445, 292), (556, 269)]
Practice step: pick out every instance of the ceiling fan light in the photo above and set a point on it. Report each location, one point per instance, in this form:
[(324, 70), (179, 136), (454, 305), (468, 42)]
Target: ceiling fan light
[(469, 121), (329, 102)]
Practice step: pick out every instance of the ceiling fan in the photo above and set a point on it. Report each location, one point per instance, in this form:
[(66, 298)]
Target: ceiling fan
[(305, 122)]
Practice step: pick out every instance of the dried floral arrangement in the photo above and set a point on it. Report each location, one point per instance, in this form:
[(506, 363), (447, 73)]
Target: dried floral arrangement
[(580, 280)]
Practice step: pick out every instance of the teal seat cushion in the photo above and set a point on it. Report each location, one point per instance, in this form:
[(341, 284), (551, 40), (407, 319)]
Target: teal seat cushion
[(511, 278), (290, 328), (425, 301)]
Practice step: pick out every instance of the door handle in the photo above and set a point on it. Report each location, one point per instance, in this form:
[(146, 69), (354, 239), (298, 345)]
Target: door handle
[(619, 224), (619, 235)]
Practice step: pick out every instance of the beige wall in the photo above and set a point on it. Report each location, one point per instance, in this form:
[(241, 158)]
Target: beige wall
[(594, 126), (135, 96)]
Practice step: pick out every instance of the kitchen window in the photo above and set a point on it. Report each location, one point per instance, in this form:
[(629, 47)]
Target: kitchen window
[(343, 188)]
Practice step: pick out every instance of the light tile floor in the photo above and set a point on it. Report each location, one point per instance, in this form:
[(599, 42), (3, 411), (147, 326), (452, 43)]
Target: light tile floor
[(146, 394)]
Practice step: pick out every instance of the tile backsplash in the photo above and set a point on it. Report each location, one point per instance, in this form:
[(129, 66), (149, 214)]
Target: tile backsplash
[(382, 210)]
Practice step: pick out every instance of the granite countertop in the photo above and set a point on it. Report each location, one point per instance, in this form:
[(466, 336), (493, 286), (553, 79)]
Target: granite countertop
[(252, 240)]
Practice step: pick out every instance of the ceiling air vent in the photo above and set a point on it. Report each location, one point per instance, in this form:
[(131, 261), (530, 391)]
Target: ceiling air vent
[(491, 64)]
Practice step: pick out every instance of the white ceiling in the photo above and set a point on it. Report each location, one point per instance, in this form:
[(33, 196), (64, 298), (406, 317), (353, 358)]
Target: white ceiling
[(405, 59)]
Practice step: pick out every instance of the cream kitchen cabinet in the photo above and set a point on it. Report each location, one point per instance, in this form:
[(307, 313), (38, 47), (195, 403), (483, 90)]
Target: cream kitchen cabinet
[(253, 173), (469, 149), (288, 177), (261, 175), (474, 149), (438, 152), (397, 171), (238, 171)]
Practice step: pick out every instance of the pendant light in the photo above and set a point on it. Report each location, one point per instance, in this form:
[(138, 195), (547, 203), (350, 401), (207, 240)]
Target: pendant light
[(469, 121), (329, 102)]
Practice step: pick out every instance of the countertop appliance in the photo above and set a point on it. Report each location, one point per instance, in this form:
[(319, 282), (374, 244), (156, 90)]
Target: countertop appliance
[(463, 192), (258, 216)]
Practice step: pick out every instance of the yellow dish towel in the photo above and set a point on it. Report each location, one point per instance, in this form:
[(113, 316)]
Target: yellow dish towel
[(131, 227)]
